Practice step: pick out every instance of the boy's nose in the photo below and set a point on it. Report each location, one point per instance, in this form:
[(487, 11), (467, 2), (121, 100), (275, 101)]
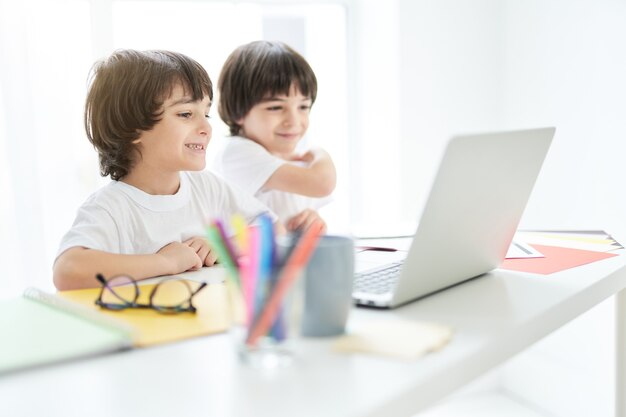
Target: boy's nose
[(291, 117), (205, 127)]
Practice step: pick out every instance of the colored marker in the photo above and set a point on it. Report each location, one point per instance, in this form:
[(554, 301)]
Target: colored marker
[(241, 232), (217, 242)]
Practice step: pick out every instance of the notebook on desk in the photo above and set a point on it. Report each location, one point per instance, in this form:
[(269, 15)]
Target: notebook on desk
[(468, 221), (40, 328)]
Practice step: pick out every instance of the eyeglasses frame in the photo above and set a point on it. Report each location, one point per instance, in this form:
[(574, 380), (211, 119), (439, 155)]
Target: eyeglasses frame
[(134, 304)]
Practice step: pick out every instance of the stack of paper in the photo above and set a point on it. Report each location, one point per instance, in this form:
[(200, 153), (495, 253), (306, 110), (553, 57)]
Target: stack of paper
[(592, 240), (563, 250)]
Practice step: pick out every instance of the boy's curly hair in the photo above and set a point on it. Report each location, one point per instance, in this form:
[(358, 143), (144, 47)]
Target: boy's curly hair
[(126, 94)]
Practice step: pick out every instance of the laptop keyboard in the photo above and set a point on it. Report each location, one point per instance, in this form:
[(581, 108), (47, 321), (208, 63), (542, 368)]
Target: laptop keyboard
[(378, 281)]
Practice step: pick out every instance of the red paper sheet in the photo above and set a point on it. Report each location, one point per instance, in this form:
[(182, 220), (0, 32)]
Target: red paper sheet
[(555, 259)]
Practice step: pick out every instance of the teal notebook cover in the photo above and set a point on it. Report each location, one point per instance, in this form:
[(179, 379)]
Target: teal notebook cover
[(40, 328)]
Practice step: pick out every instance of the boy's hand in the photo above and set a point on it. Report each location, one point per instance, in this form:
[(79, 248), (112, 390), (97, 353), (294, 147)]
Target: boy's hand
[(303, 220), (181, 257), (202, 248)]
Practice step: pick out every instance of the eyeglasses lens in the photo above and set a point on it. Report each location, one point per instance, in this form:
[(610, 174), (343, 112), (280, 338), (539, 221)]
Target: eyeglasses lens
[(119, 290), (171, 294)]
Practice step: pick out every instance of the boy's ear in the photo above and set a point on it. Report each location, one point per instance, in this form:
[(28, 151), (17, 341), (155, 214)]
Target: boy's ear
[(136, 141)]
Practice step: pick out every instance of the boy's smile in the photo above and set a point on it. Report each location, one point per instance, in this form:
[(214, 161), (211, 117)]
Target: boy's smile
[(178, 142), (195, 146), (278, 123)]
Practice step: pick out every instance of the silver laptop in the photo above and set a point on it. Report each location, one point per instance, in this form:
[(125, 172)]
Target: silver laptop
[(469, 219)]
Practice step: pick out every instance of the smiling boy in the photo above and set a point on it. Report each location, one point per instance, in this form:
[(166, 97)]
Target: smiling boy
[(147, 116), (267, 90)]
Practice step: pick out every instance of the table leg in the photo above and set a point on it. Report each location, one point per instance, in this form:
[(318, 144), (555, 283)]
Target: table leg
[(620, 354)]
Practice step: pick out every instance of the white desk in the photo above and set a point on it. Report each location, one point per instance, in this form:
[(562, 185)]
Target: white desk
[(495, 317)]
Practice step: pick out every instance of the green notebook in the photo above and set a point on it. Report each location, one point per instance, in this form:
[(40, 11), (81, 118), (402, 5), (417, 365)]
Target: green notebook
[(41, 328)]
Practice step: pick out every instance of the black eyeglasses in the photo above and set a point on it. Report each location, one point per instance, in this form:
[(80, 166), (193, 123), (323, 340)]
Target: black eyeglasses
[(170, 295)]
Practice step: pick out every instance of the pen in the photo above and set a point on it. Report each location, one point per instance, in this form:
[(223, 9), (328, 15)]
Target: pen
[(226, 242), (376, 248)]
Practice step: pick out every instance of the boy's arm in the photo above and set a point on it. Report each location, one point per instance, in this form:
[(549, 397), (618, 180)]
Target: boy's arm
[(318, 179), (77, 267)]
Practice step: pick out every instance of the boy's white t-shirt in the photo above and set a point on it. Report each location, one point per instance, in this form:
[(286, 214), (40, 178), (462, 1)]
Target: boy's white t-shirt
[(120, 218), (248, 165)]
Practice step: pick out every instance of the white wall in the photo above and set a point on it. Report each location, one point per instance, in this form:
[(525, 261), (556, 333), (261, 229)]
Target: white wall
[(490, 64), (565, 65), (374, 85), (423, 70), (451, 82)]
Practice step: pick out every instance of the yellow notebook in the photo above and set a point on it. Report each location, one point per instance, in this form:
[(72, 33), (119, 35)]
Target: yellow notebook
[(151, 327)]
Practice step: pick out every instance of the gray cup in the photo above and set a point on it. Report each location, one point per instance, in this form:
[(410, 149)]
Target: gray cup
[(328, 287)]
